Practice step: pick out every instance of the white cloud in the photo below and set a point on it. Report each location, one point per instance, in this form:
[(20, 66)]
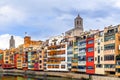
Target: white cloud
[(10, 15), (4, 41)]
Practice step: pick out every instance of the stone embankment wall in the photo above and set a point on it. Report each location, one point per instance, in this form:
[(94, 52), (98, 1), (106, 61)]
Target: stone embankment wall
[(42, 73), (57, 74), (104, 78)]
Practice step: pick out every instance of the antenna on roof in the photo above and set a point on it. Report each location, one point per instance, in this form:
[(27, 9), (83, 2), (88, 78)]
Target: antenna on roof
[(25, 33)]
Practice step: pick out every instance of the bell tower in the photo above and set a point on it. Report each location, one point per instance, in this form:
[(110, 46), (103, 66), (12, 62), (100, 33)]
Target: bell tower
[(78, 22)]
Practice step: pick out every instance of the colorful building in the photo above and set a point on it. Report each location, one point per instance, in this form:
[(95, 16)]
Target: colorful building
[(57, 54), (110, 48), (8, 59), (99, 52), (69, 52), (1, 58)]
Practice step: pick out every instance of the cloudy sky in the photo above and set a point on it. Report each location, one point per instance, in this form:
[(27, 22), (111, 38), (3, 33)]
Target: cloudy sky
[(45, 18)]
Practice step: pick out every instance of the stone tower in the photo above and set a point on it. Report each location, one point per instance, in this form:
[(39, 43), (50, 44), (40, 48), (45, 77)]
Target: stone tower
[(78, 27), (12, 42), (78, 22)]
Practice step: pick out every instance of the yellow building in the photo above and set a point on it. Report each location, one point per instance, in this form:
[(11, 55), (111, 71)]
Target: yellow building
[(8, 59), (99, 53), (110, 48), (19, 61)]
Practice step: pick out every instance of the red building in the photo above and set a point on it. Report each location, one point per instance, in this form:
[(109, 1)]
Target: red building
[(15, 60), (36, 66), (90, 67)]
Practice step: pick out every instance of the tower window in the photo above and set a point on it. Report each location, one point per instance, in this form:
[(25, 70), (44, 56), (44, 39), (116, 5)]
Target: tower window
[(77, 22)]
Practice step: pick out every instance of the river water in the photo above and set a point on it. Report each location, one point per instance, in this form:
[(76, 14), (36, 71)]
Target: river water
[(11, 77)]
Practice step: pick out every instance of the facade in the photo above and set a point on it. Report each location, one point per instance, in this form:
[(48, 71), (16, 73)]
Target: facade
[(69, 52), (8, 59), (117, 55), (32, 53), (99, 52), (75, 55), (12, 42), (57, 54), (31, 43), (1, 58), (110, 48), (82, 52), (78, 27), (19, 60)]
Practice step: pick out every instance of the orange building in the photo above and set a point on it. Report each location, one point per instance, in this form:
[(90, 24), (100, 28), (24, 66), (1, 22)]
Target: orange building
[(1, 57), (30, 43)]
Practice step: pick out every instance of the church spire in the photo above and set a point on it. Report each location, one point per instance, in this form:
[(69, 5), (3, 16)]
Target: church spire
[(12, 42), (78, 22)]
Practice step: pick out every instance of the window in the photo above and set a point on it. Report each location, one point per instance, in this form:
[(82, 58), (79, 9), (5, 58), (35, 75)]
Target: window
[(109, 66), (90, 41), (98, 49), (81, 58), (70, 52), (40, 66), (40, 56), (108, 57), (118, 63), (82, 50), (6, 61), (107, 38), (98, 59), (90, 49), (69, 65), (82, 43), (90, 67), (56, 66), (75, 67), (75, 55), (90, 59), (109, 46), (99, 65), (62, 66), (69, 59), (40, 61), (101, 58), (81, 67)]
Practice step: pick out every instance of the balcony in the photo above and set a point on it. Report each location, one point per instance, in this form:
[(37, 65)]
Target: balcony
[(53, 62), (52, 47), (74, 70), (109, 69), (109, 42), (109, 51), (117, 63), (81, 62), (75, 44), (109, 33), (109, 62), (74, 64), (55, 52), (81, 70)]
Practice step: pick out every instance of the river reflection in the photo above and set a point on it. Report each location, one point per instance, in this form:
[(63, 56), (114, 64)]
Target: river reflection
[(4, 77)]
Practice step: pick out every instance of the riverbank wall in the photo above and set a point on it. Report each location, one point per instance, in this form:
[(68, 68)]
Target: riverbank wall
[(42, 73), (57, 74)]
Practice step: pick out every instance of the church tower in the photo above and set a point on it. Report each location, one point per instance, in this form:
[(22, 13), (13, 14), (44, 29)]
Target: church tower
[(12, 42), (78, 22)]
